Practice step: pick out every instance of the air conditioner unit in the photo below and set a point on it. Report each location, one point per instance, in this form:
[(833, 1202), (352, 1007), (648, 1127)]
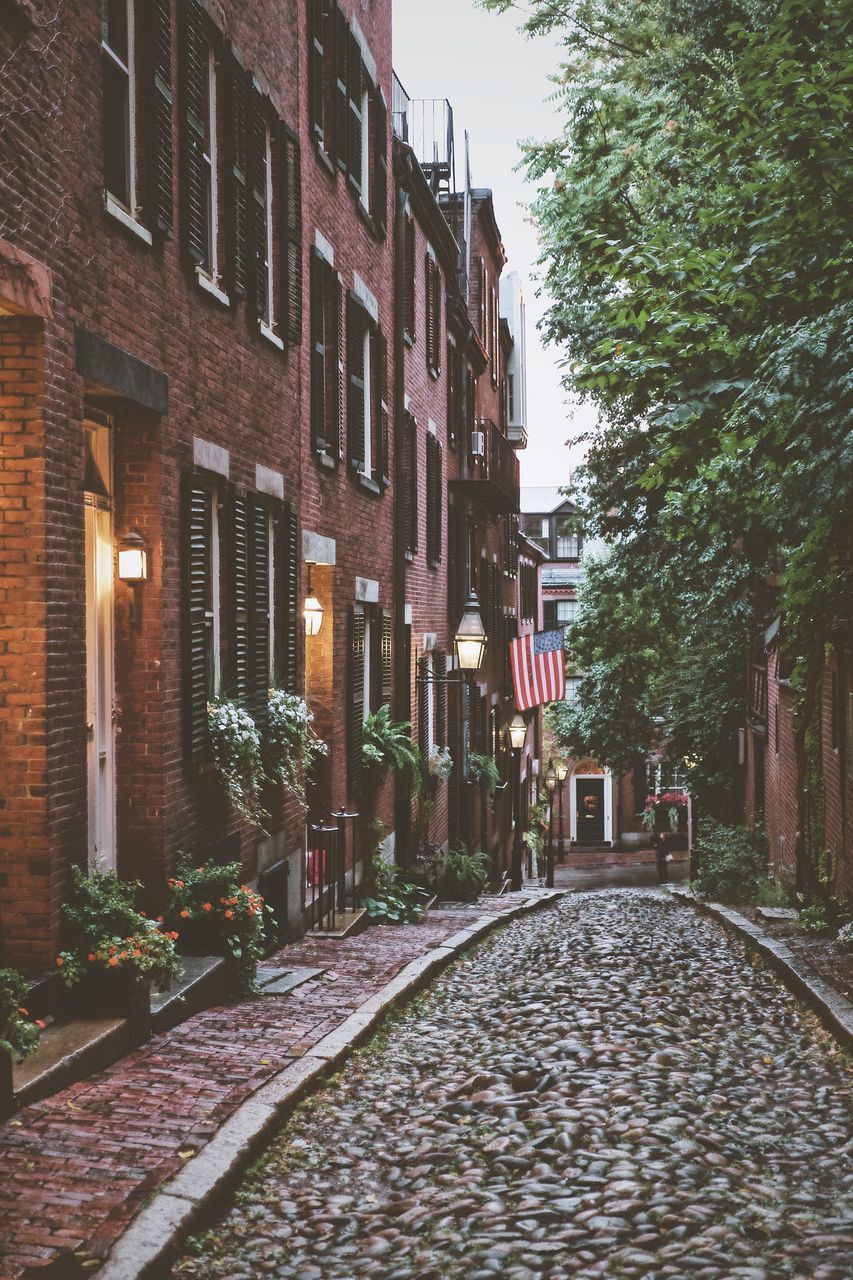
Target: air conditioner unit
[(478, 444)]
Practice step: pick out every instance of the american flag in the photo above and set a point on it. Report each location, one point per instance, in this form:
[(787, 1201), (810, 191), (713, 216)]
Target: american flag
[(538, 668)]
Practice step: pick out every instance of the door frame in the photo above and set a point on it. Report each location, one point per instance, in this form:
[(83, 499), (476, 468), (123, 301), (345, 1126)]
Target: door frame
[(607, 779), (99, 550)]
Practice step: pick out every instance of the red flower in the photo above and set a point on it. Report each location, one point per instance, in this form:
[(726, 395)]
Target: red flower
[(59, 962), (207, 906), (112, 961), (229, 915), (185, 915)]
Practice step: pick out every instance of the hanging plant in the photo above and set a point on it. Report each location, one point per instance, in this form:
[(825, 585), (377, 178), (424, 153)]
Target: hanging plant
[(483, 773), (387, 744), (439, 763), (290, 745), (237, 758), (672, 803)]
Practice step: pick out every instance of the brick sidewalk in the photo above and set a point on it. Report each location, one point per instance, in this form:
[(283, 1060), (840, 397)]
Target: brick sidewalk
[(76, 1168)]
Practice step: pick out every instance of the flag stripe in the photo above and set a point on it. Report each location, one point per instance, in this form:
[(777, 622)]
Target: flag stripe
[(538, 670)]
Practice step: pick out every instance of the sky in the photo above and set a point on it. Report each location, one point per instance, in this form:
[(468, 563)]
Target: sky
[(496, 80)]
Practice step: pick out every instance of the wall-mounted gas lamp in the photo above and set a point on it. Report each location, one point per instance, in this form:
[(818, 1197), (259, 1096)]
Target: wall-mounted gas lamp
[(312, 610), (132, 560), (470, 639), (517, 732)]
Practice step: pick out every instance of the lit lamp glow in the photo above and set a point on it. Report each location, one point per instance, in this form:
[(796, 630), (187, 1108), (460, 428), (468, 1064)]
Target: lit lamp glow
[(562, 771), (470, 639), (132, 559), (550, 776), (312, 610), (517, 732)]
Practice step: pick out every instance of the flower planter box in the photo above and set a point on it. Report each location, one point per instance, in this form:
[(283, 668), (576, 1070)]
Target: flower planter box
[(116, 995), (7, 1096)]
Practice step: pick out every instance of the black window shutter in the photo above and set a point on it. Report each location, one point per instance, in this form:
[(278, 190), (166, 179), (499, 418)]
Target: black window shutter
[(482, 300), (197, 503), (434, 502), (337, 368), (454, 567), (356, 699), (379, 200), (355, 379), (316, 61), (381, 414), (341, 97), (409, 495), (423, 706), (429, 311), (451, 394), (291, 236), (193, 71), (409, 281), (157, 15), (237, 595), (511, 634), (438, 498), (260, 607), (356, 126), (257, 224), (236, 148), (386, 658), (440, 668), (287, 620), (319, 373)]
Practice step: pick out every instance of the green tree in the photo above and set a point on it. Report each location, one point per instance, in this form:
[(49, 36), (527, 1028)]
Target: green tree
[(694, 215)]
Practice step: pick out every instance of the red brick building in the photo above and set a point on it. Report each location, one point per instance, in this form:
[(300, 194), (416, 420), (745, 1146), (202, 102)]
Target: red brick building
[(213, 343), (798, 777)]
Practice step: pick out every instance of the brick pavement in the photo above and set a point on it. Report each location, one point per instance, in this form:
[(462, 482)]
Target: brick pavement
[(76, 1167)]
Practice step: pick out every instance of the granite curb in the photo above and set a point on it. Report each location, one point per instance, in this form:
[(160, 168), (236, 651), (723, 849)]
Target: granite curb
[(155, 1235), (833, 1008)]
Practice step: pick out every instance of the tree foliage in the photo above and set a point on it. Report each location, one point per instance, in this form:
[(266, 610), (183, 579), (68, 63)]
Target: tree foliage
[(694, 216)]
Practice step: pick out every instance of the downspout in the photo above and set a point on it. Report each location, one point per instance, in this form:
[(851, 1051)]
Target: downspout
[(402, 675)]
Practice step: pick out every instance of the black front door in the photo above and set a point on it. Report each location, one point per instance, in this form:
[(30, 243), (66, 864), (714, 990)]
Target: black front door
[(589, 797)]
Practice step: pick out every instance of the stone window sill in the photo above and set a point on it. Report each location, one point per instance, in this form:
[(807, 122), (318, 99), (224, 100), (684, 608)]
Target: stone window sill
[(209, 285), (270, 335), (118, 211)]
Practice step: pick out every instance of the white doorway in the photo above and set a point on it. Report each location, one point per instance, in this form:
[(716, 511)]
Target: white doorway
[(100, 658), (591, 808)]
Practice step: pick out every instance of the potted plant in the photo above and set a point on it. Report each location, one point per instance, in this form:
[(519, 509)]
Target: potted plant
[(19, 1034), (237, 759), (113, 953), (439, 763), (483, 773), (666, 812), (289, 745), (463, 874), (387, 744), (212, 913)]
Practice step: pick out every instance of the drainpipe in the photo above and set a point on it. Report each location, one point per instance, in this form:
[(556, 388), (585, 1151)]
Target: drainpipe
[(402, 677)]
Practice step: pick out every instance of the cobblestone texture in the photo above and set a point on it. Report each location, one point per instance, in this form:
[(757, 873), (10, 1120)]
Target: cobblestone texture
[(75, 1168), (607, 1089)]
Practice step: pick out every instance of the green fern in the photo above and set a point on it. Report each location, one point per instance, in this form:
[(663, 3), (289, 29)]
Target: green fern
[(387, 744)]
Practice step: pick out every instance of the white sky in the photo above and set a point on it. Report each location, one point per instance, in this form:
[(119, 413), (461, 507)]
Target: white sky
[(496, 80)]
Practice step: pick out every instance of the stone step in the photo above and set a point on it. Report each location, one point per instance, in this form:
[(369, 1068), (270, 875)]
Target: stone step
[(69, 1052), (202, 983)]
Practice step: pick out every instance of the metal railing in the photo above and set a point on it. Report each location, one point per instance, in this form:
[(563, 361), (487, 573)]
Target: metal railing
[(326, 890), (426, 124)]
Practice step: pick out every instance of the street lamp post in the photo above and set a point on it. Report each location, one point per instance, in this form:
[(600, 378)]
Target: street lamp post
[(562, 774), (550, 783), (517, 734)]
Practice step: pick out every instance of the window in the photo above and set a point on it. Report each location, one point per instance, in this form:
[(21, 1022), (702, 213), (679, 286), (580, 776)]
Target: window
[(545, 527), (573, 691), (261, 203), (432, 299), (318, 69), (326, 357), (454, 387), (568, 545), (123, 70), (366, 157), (567, 611), (370, 675), (119, 101), (494, 350), (367, 396), (434, 489), (528, 590), (510, 393), (199, 142)]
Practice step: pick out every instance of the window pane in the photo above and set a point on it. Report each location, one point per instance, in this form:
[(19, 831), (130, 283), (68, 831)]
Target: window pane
[(115, 27), (116, 132)]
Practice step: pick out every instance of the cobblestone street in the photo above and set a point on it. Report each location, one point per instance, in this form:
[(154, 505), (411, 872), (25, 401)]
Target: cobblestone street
[(609, 1088)]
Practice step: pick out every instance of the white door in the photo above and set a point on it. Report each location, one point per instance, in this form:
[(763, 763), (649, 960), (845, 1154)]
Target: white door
[(100, 683)]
